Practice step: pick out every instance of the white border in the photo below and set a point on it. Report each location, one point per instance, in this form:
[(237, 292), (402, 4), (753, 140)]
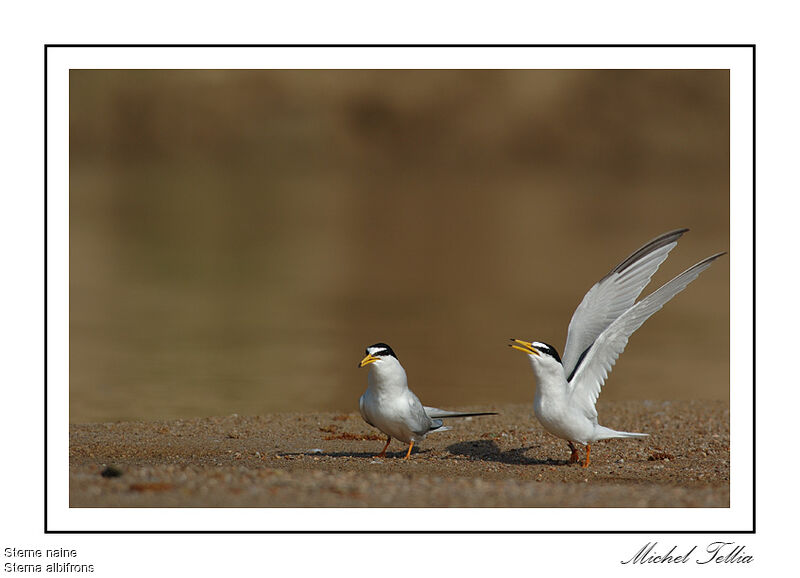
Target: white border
[(737, 517)]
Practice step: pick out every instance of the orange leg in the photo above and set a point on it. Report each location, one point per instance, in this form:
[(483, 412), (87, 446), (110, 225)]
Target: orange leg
[(383, 451), (588, 451), (411, 445), (574, 458)]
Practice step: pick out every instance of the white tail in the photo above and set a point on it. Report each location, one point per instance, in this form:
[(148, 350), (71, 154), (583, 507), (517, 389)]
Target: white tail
[(607, 433)]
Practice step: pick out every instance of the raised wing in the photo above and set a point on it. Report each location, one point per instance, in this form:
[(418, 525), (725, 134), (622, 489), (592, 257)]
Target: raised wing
[(612, 296), (591, 375)]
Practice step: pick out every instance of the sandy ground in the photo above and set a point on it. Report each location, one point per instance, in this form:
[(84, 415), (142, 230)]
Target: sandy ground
[(326, 460)]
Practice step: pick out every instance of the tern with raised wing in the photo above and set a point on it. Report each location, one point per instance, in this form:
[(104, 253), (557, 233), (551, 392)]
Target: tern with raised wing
[(567, 389)]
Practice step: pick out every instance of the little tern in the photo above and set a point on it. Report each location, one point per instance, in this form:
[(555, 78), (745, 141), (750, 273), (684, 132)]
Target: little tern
[(391, 407), (567, 390)]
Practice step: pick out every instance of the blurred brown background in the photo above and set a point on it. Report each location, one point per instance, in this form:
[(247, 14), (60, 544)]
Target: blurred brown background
[(238, 237)]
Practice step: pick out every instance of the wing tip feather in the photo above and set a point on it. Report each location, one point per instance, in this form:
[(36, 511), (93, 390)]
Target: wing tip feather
[(652, 245)]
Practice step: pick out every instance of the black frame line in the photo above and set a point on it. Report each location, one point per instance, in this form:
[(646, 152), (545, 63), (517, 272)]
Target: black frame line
[(45, 289), (399, 46), (572, 532)]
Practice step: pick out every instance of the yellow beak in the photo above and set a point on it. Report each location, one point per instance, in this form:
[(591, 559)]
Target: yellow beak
[(524, 346), (368, 359)]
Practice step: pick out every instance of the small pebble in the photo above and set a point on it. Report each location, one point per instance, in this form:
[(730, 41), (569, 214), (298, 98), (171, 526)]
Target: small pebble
[(111, 472)]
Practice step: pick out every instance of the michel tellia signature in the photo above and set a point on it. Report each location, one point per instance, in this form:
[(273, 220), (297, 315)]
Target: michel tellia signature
[(714, 553)]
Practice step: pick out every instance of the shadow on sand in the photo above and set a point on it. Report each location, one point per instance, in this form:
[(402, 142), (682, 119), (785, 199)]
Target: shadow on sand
[(487, 450), (363, 455)]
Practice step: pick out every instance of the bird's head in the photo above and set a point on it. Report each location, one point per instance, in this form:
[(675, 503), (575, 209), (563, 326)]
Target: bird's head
[(379, 356), (541, 355), (384, 368)]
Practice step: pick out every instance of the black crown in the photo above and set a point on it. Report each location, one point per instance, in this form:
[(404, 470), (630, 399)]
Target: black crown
[(381, 350)]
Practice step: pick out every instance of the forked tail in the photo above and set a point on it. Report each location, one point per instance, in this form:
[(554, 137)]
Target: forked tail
[(605, 433), (438, 426), (435, 412)]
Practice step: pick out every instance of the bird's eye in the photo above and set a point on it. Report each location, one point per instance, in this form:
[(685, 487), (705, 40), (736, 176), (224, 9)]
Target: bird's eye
[(548, 349)]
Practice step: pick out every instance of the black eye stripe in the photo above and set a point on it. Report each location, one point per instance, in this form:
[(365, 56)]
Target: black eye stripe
[(548, 349)]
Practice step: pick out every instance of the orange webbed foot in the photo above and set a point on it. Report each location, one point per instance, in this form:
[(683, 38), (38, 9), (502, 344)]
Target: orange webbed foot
[(411, 445), (588, 451), (575, 457), (383, 451)]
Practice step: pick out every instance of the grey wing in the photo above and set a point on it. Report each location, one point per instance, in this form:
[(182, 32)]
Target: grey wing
[(362, 409), (612, 296), (419, 421), (592, 373)]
